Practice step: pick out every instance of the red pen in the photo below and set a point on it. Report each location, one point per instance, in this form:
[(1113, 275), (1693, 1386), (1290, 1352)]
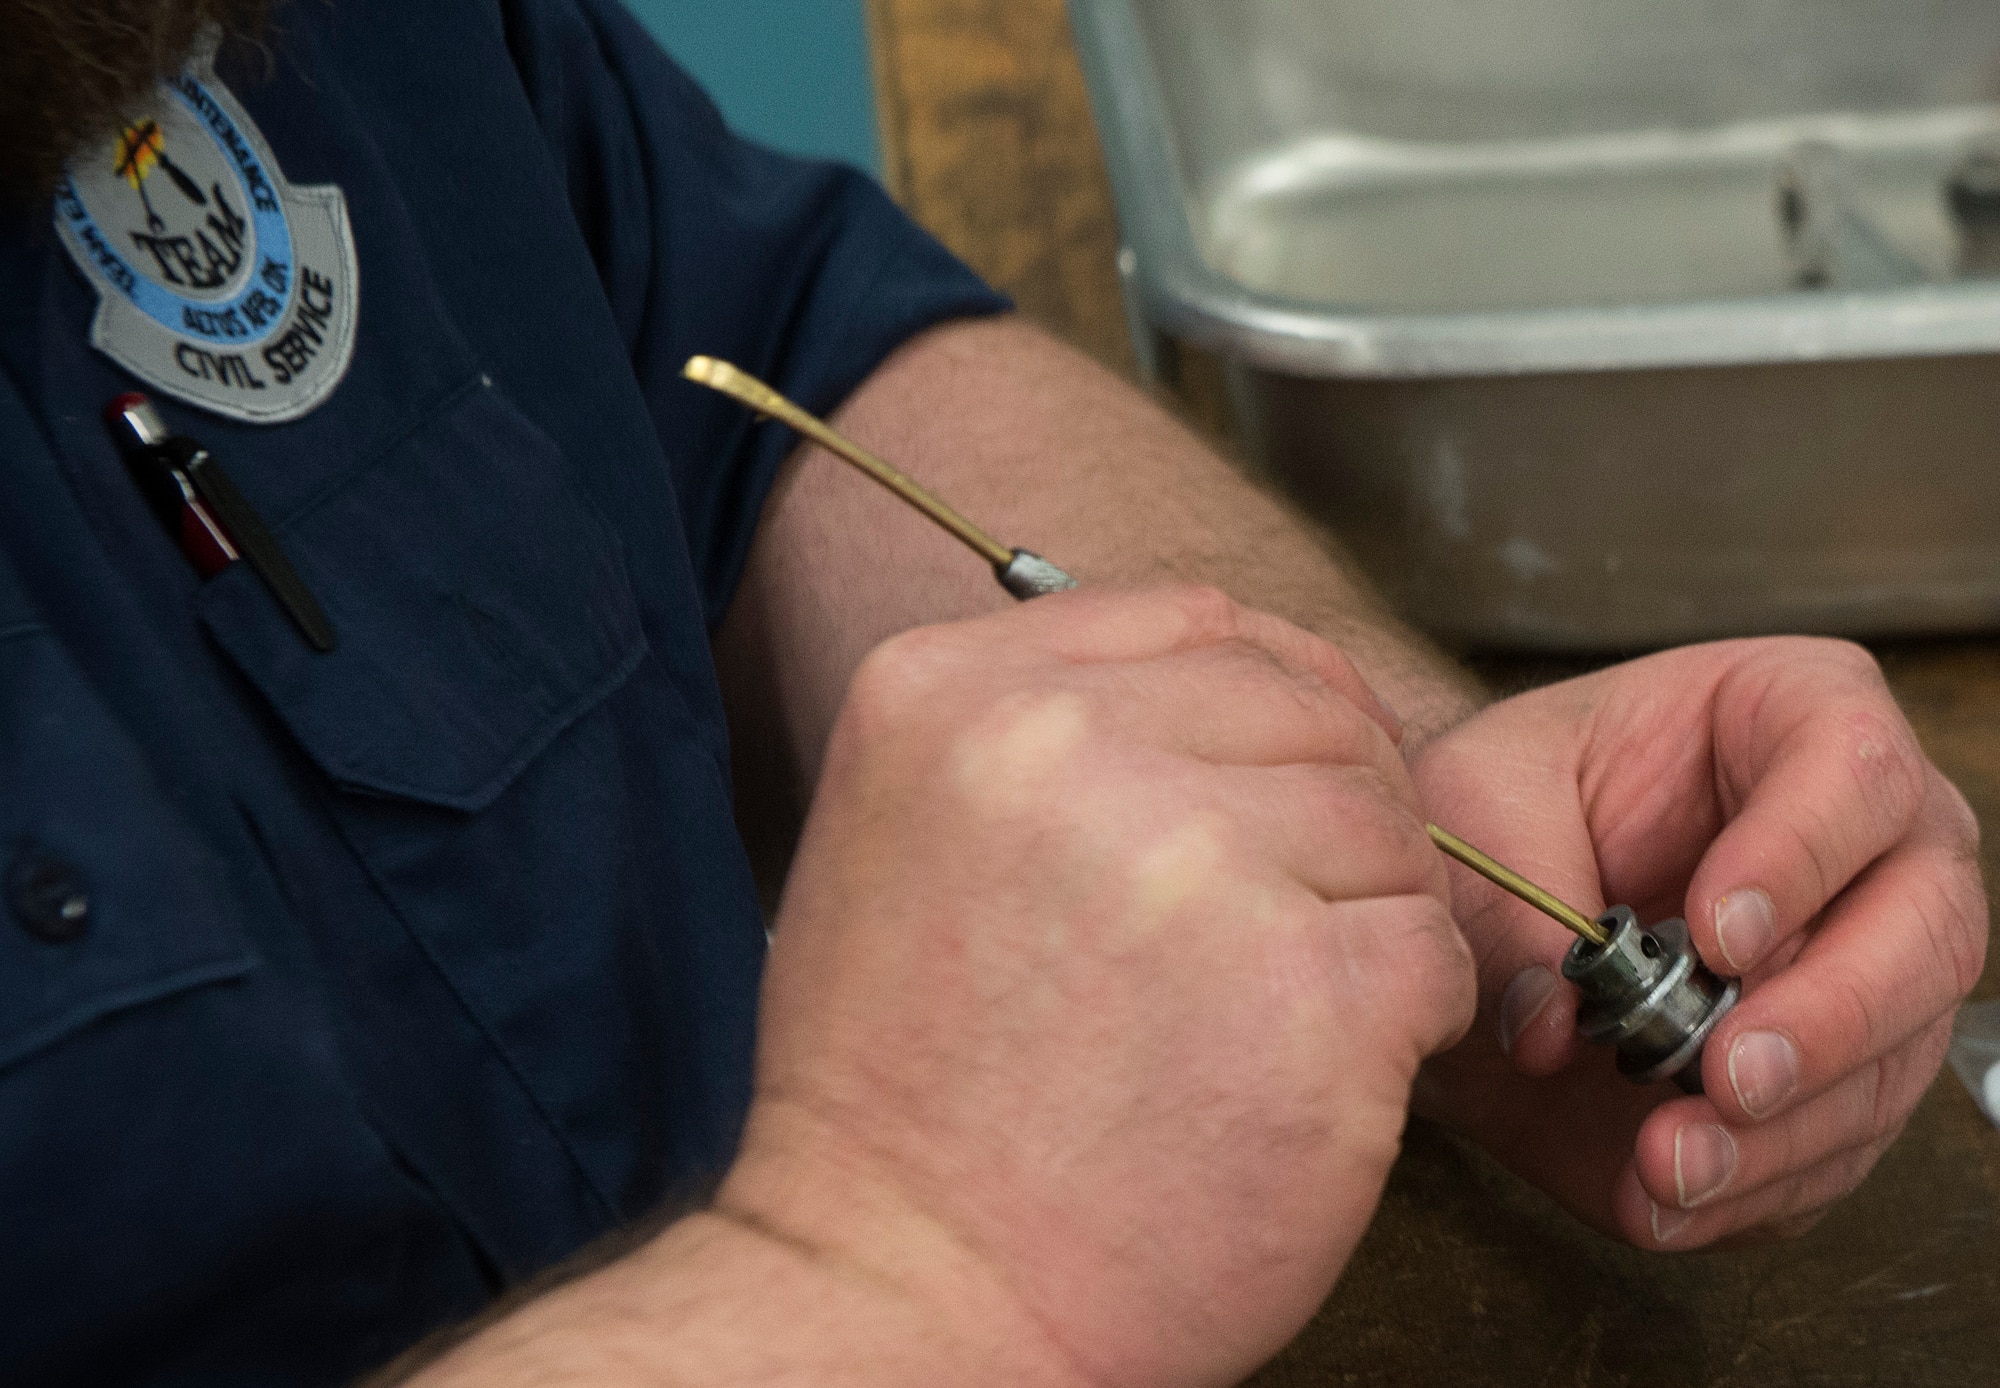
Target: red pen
[(211, 520), (142, 435)]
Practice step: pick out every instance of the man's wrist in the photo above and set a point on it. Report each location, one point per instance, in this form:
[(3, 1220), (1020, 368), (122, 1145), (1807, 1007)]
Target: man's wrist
[(745, 1303), (911, 1296), (798, 1274)]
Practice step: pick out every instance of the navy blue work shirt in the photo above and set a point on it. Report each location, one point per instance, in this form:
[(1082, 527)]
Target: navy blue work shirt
[(406, 970)]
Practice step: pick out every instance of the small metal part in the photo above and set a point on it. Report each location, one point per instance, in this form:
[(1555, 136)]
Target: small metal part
[(1648, 993), (140, 421), (1028, 575), (1509, 880), (1645, 992)]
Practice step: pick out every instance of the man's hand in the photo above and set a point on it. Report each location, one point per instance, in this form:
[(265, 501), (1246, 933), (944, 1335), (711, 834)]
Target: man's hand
[(1772, 793), (1111, 950)]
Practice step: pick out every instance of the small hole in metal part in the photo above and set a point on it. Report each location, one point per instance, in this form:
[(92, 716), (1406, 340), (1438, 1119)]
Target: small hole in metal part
[(1649, 947)]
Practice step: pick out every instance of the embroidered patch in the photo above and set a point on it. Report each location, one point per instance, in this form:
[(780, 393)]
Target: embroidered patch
[(217, 281)]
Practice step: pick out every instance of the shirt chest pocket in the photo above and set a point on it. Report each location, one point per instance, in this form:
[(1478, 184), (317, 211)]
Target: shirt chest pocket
[(525, 785), (480, 607)]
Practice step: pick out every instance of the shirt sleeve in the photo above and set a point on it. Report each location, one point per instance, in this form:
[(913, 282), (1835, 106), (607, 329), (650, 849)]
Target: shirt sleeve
[(801, 272)]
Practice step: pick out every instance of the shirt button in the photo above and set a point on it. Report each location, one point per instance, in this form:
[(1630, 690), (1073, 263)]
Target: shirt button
[(47, 896)]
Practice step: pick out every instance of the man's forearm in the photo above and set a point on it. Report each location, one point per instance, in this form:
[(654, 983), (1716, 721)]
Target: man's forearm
[(710, 1300), (1050, 452), (716, 1298)]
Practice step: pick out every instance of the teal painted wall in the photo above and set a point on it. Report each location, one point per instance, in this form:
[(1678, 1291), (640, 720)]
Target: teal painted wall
[(791, 73)]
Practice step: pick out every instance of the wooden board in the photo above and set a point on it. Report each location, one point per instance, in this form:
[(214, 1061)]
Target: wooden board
[(987, 138), (1468, 1276)]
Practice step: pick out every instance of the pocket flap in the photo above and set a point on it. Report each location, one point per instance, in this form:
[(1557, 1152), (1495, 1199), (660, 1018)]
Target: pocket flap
[(481, 607)]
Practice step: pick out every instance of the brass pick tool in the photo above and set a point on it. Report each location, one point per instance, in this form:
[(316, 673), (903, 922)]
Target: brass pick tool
[(740, 386), (1512, 881)]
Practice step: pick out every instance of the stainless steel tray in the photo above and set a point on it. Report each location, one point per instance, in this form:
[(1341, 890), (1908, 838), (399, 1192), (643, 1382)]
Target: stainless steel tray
[(1589, 324)]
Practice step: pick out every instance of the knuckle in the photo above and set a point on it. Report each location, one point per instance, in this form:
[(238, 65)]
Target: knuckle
[(1461, 968), (1954, 933), (1188, 859), (1794, 1198), (1432, 960), (1019, 758), (1431, 926), (1854, 1012), (1805, 1140), (1913, 1068), (1878, 1100), (1312, 698), (1847, 1175), (1848, 657), (1885, 759), (1961, 825), (1830, 662), (1810, 1194), (1332, 658), (1363, 811), (1381, 790), (1394, 799), (1798, 1144), (898, 677), (1208, 612), (1855, 706), (1964, 949), (1411, 863), (1488, 927), (1905, 1077), (1816, 839)]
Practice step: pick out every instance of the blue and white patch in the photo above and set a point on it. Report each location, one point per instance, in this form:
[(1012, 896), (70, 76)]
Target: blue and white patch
[(218, 282)]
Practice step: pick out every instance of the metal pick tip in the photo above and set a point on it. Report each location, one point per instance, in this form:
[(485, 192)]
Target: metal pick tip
[(704, 370)]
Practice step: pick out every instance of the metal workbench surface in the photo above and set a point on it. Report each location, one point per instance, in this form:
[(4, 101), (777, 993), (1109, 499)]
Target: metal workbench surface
[(1468, 1276)]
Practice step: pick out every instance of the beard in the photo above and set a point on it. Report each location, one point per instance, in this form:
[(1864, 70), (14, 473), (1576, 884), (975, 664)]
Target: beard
[(72, 72)]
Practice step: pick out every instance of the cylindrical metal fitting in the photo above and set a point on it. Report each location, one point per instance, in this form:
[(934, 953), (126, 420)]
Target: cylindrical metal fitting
[(1029, 576), (1648, 994)]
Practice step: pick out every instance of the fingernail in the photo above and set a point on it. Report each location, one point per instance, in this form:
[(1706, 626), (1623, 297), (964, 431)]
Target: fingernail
[(1704, 1160), (1745, 925), (1668, 1224), (1526, 996), (1763, 1070)]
